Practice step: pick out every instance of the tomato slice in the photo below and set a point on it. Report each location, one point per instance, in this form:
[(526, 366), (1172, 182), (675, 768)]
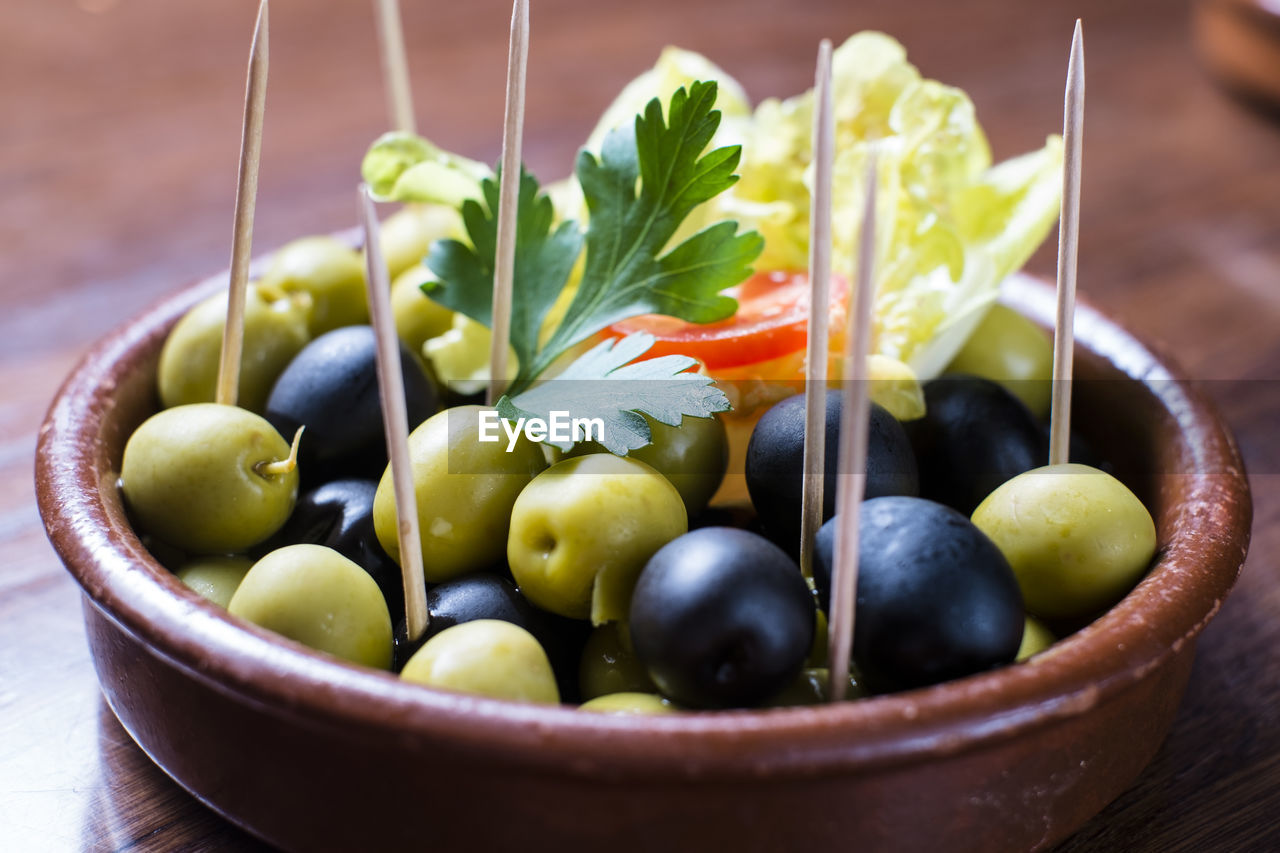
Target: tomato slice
[(771, 321)]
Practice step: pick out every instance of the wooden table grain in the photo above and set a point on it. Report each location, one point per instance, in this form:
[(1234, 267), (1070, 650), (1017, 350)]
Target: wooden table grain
[(119, 128)]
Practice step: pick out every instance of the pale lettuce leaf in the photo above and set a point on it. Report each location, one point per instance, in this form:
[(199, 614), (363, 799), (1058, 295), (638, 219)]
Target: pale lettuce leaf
[(405, 167)]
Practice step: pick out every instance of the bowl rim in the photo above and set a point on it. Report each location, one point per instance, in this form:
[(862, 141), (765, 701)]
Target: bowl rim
[(85, 522)]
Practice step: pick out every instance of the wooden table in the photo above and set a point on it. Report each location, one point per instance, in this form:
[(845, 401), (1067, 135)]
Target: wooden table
[(118, 148)]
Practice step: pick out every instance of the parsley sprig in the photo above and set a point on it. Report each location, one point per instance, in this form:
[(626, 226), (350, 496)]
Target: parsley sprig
[(610, 384), (639, 190)]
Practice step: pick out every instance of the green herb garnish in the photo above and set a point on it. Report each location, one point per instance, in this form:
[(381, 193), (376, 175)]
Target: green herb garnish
[(544, 259), (638, 192), (661, 388)]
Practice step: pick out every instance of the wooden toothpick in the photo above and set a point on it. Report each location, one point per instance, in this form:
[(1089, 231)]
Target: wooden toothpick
[(508, 199), (255, 98), (1068, 243), (395, 66), (815, 389), (852, 477), (395, 420)]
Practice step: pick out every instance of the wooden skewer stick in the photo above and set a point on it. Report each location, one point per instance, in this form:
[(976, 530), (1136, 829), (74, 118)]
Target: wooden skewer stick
[(395, 66), (508, 199), (1068, 243), (255, 99), (395, 420), (852, 477), (815, 389)]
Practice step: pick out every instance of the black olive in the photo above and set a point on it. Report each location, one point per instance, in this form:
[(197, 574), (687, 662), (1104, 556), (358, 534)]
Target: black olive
[(484, 595), (775, 464), (721, 618), (936, 599), (339, 515), (331, 388), (974, 436)]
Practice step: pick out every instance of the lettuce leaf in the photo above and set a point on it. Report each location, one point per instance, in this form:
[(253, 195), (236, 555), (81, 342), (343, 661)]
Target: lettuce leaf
[(951, 226), (402, 166)]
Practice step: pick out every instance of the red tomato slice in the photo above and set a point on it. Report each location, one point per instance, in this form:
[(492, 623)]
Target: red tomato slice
[(771, 321)]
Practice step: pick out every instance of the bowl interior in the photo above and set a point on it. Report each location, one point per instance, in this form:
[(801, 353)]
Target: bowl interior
[(1165, 440)]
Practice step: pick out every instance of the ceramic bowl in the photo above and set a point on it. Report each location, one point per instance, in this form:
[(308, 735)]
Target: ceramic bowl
[(310, 753)]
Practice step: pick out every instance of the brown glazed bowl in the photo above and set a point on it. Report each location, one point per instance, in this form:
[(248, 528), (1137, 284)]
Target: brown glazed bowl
[(310, 753)]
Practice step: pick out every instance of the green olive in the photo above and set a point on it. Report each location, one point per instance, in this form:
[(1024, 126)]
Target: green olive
[(628, 703), (1008, 348), (583, 530), (693, 456), (1035, 639), (609, 665), (274, 332), (487, 657), (208, 479), (819, 651), (418, 319), (465, 489), (812, 687), (168, 556), (316, 596), (1076, 538), (215, 577), (408, 233), (331, 273)]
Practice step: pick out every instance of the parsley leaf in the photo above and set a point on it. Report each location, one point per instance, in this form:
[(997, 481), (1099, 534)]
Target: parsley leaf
[(629, 227), (643, 186), (544, 259), (608, 383)]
